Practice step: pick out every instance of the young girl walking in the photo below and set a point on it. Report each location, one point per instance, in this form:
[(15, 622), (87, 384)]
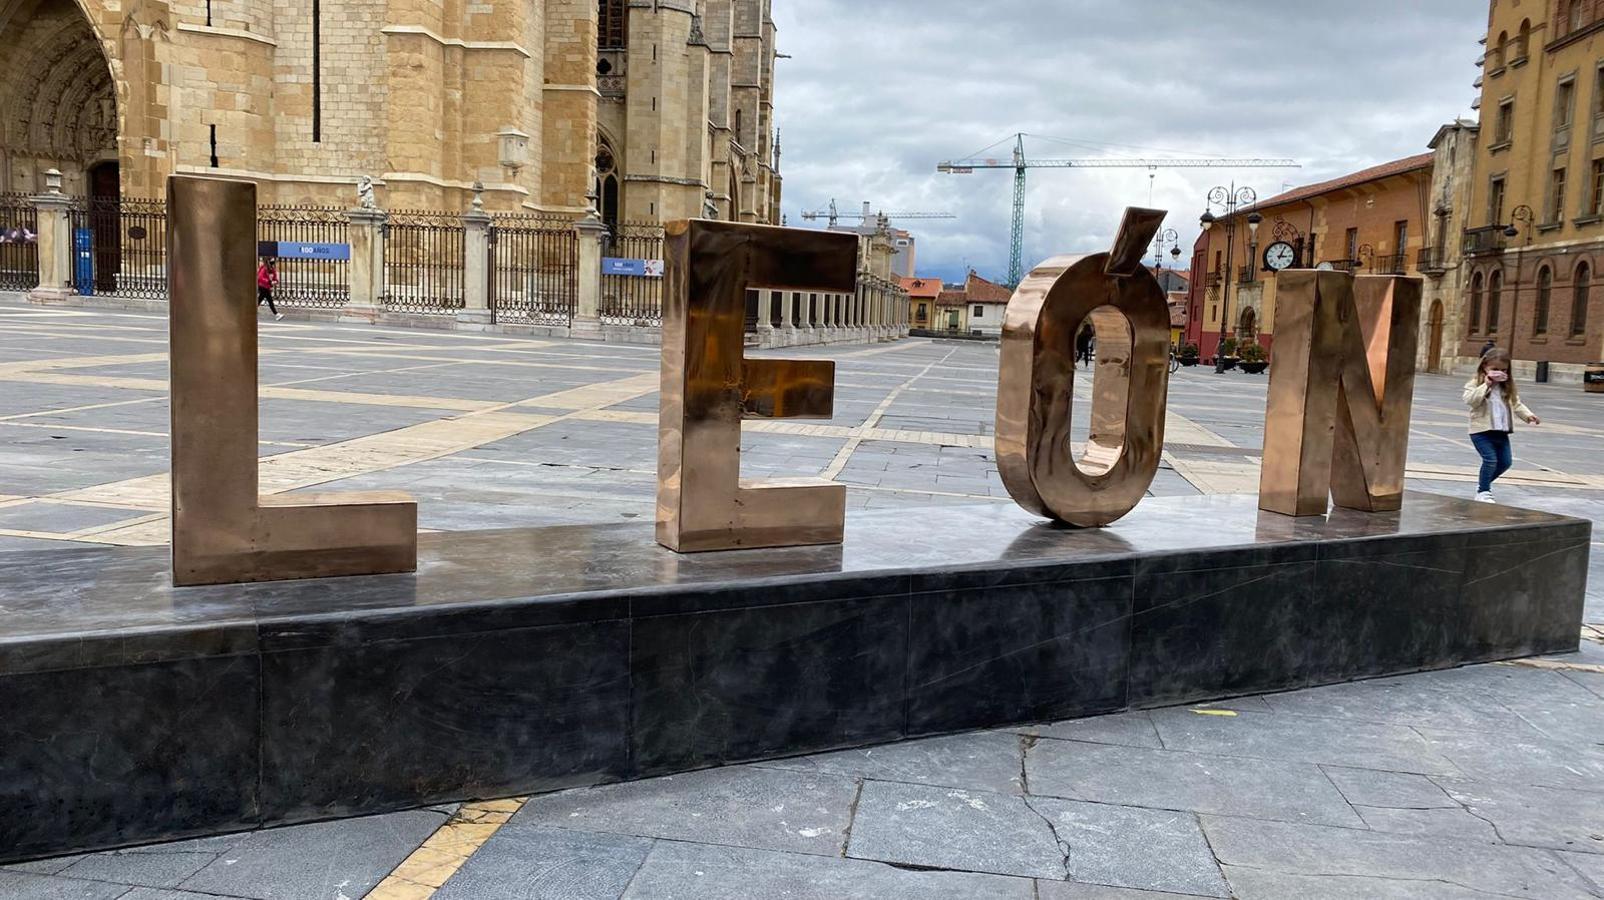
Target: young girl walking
[(1494, 406)]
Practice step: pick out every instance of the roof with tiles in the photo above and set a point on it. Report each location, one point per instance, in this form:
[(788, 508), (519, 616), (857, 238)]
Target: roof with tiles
[(1364, 176)]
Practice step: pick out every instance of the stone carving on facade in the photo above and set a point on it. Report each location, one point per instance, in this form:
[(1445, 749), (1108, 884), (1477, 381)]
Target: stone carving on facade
[(364, 193)]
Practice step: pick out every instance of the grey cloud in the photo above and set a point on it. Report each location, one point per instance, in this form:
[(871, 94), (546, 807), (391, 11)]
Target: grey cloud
[(877, 93)]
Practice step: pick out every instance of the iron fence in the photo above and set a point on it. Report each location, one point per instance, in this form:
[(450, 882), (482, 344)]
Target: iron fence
[(120, 248), (19, 243), (423, 263), (321, 282), (1390, 264), (633, 299), (533, 263)]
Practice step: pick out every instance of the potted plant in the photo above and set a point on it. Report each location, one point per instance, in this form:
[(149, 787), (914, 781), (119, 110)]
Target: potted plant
[(1188, 354), (1254, 360), (1228, 353)]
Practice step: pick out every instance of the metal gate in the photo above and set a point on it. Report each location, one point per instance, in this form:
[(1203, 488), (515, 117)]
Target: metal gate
[(19, 243), (423, 256), (125, 247), (322, 283), (633, 299), (533, 263)]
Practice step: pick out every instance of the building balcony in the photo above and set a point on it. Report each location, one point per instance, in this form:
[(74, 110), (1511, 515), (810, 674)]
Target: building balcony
[(1430, 261), (1485, 240), (1390, 264)]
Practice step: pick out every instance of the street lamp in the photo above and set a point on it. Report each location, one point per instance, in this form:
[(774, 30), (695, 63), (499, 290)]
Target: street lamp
[(1165, 238), (1228, 199), (1524, 215)]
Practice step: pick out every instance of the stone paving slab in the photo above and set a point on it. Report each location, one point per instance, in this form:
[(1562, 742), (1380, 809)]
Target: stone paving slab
[(675, 871), (1202, 783), (1122, 846), (769, 809), (1325, 857), (947, 828)]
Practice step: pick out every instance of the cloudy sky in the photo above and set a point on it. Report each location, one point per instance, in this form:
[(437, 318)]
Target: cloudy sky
[(878, 92)]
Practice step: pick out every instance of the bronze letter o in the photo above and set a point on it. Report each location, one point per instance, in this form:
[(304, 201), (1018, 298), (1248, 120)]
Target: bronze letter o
[(1035, 391)]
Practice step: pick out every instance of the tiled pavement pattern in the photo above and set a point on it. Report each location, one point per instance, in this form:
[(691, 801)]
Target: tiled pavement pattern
[(1480, 782)]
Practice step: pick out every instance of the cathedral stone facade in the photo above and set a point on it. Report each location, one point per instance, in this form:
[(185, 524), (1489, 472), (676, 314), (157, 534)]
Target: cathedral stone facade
[(657, 109)]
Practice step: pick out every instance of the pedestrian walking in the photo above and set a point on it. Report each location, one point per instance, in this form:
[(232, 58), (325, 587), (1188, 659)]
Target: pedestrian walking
[(1083, 346), (1494, 403), (1488, 347), (266, 281)]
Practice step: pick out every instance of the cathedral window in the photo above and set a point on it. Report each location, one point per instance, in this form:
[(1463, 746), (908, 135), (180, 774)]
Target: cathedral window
[(612, 31)]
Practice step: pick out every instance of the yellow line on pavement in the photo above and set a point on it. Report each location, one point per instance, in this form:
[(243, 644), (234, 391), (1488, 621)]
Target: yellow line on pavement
[(423, 872)]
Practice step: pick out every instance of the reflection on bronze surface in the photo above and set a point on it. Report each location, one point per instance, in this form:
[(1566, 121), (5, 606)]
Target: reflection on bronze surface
[(222, 531), (1035, 389), (709, 386), (1341, 389)]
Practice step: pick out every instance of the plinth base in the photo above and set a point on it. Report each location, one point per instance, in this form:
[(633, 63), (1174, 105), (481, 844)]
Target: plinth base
[(524, 661)]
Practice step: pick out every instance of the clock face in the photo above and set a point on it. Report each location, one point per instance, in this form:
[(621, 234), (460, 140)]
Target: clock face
[(1279, 255)]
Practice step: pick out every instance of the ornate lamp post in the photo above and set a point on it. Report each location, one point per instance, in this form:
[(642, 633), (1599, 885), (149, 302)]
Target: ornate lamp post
[(1166, 238), (1524, 215), (1228, 199)]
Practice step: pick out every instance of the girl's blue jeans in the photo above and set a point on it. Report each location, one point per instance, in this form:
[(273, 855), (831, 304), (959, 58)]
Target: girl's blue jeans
[(1495, 456)]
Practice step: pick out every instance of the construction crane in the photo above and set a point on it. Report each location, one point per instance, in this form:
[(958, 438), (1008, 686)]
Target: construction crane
[(833, 215), (1020, 162)]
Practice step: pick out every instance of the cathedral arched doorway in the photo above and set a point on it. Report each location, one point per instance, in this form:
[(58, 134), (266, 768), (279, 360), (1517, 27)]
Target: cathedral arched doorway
[(58, 103)]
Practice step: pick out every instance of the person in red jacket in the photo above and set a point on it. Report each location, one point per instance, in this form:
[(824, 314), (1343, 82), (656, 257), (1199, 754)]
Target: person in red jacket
[(266, 280)]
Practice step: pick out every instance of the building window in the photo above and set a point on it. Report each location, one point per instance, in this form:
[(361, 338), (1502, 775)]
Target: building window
[(979, 312), (1505, 131), (1495, 287), (607, 187), (1352, 243), (1523, 40), (612, 25), (1564, 103), (1556, 194), (1501, 50), (1545, 292), (1400, 247), (1598, 93), (1495, 201), (738, 123), (1475, 303), (1579, 295), (1595, 198)]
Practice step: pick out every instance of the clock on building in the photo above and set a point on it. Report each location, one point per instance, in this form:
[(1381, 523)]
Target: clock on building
[(1279, 255)]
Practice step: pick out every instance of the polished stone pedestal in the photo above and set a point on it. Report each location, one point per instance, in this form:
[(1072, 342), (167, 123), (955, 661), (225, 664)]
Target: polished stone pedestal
[(522, 661)]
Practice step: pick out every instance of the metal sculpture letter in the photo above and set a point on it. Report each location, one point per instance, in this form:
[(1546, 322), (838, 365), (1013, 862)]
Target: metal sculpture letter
[(1035, 390), (1341, 390), (222, 531), (709, 386)]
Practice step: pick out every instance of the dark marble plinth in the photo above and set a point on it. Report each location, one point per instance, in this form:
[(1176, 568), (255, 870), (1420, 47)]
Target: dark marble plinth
[(520, 661)]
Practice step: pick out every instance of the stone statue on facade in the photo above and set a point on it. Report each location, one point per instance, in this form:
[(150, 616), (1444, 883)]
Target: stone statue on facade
[(364, 193)]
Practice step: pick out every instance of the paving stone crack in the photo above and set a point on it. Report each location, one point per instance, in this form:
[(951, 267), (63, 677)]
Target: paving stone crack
[(852, 817), (1063, 845)]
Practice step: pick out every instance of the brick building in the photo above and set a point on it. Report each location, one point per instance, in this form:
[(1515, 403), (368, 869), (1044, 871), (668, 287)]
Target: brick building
[(665, 109), (1372, 221), (1533, 240)]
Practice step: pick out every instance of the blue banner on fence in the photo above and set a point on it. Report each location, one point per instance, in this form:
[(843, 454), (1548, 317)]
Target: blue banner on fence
[(642, 268), (83, 262), (295, 250)]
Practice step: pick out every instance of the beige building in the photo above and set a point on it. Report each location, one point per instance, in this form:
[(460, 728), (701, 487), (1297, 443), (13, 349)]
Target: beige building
[(674, 99), (1533, 235)]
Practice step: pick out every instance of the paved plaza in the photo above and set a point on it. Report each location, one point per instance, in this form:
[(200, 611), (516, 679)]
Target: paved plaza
[(1485, 781)]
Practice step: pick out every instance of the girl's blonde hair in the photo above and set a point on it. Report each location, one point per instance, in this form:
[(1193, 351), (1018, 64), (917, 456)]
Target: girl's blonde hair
[(1498, 354)]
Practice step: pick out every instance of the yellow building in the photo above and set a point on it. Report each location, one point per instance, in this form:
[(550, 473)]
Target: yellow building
[(306, 98), (1534, 236)]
